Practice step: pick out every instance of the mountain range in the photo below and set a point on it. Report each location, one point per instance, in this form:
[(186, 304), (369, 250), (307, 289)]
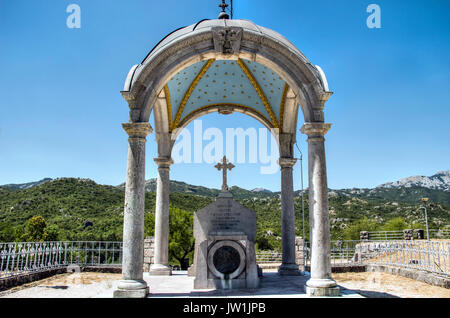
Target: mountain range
[(411, 189), (438, 181), (68, 204)]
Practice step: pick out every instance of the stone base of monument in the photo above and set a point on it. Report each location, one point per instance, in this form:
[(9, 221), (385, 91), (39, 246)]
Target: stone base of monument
[(322, 287), (160, 270), (131, 289), (138, 293), (229, 262), (319, 291), (289, 270), (224, 257)]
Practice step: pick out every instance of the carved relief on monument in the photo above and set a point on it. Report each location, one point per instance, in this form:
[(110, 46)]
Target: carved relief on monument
[(227, 40)]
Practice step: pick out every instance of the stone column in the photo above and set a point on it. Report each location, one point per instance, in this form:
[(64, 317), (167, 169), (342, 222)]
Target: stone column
[(320, 283), (161, 266), (132, 284), (288, 266)]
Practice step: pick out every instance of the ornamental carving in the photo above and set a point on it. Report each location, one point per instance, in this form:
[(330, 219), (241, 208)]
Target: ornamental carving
[(227, 40), (137, 130)]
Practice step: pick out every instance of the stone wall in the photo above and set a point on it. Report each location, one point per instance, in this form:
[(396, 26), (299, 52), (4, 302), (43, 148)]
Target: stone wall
[(421, 276), (300, 252), (149, 252)]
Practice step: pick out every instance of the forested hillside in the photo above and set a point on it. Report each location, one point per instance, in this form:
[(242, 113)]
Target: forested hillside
[(80, 209)]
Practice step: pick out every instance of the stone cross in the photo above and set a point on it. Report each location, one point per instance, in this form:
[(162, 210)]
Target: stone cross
[(224, 165)]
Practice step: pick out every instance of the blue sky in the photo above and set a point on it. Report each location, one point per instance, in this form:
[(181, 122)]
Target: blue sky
[(61, 109)]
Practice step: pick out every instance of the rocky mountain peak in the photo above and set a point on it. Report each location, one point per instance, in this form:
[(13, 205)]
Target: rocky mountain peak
[(438, 181)]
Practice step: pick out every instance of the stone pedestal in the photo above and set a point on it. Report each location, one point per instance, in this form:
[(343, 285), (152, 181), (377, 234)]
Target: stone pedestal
[(149, 252), (320, 283), (132, 283), (300, 252), (225, 257)]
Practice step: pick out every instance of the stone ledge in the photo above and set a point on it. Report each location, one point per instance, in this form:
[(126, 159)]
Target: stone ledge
[(344, 268), (421, 276), (14, 281)]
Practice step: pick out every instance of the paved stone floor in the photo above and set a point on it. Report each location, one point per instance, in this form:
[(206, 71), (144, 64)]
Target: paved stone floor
[(179, 285), (272, 286)]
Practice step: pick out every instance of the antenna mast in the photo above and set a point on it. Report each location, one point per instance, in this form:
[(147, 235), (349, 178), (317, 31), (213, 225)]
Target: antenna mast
[(231, 9)]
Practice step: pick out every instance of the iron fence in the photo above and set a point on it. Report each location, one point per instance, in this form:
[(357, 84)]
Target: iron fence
[(431, 256), (385, 235), (26, 257), (22, 258), (443, 233), (264, 257), (341, 252)]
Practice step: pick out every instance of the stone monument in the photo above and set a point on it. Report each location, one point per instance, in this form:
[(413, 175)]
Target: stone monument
[(225, 233)]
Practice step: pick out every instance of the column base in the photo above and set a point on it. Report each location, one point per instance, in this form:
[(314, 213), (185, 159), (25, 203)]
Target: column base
[(289, 270), (323, 292), (131, 293), (322, 287), (160, 270), (131, 289)]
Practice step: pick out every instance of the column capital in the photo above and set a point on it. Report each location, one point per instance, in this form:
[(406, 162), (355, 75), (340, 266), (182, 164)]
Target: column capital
[(163, 162), (286, 162), (137, 130), (314, 130)]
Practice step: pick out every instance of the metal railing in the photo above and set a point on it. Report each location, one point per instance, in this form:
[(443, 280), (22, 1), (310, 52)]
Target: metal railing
[(23, 258), (443, 233), (385, 235), (264, 257), (27, 257), (341, 252), (431, 256)]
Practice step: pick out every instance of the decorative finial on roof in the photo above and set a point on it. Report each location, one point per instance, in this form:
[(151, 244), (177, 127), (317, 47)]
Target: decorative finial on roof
[(223, 14)]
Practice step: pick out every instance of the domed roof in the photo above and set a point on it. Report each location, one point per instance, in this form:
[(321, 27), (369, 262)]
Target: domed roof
[(207, 25), (244, 83)]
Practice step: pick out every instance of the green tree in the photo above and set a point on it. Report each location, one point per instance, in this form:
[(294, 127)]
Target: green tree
[(181, 241), (395, 224), (352, 232), (6, 232), (35, 229), (181, 233), (263, 244), (51, 233)]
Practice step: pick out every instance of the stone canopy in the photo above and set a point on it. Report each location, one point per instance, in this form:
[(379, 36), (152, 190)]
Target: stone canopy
[(225, 66)]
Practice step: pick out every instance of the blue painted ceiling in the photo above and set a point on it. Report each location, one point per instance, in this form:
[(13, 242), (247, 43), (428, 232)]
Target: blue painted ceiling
[(241, 83)]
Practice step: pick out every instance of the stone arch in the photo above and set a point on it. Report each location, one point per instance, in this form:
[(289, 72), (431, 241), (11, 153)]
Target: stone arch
[(199, 43)]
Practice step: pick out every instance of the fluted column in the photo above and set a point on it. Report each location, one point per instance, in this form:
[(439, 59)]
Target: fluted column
[(132, 284), (288, 266), (161, 256), (320, 283)]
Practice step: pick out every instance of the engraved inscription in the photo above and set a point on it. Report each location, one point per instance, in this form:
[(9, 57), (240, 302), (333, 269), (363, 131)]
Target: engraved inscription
[(225, 219)]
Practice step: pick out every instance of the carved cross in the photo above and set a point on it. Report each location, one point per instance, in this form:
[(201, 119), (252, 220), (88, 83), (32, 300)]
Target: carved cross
[(223, 5), (224, 166)]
